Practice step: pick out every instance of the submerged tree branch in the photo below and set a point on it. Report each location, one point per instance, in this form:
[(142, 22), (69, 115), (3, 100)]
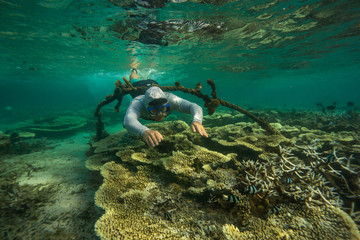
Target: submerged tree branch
[(211, 103)]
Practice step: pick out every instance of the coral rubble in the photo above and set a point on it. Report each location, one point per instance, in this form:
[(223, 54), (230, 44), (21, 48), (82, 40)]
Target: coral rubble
[(238, 184)]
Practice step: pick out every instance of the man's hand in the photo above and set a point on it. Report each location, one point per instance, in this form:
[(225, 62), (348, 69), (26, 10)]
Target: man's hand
[(152, 138), (198, 127)]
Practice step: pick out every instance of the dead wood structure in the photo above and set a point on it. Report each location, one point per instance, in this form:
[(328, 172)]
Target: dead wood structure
[(211, 103)]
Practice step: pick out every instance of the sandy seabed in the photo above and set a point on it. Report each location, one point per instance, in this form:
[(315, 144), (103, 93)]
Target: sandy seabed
[(49, 194)]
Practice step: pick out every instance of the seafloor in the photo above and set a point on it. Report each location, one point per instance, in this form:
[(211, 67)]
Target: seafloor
[(240, 183)]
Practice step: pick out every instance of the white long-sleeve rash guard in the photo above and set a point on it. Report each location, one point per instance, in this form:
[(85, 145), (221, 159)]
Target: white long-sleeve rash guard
[(138, 109)]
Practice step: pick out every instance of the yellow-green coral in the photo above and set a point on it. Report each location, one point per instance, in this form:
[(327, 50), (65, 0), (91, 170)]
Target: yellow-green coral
[(140, 157), (52, 126), (95, 162), (125, 155), (116, 142), (176, 190), (248, 137), (317, 223), (128, 199)]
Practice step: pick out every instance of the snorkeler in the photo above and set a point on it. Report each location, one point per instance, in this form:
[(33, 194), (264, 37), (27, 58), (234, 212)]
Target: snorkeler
[(156, 105)]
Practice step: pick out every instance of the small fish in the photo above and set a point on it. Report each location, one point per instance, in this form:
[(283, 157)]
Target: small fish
[(330, 158), (288, 180), (231, 198), (251, 190), (167, 216), (331, 107), (274, 210), (350, 104), (319, 104)]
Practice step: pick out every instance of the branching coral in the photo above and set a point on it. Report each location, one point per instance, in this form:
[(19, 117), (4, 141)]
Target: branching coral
[(286, 175)]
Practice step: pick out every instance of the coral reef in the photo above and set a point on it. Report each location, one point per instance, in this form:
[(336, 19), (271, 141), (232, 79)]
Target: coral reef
[(5, 143), (290, 224), (19, 202), (116, 142), (20, 143), (240, 183), (247, 139), (54, 126)]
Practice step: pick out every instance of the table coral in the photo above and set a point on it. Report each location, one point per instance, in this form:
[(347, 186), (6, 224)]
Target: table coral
[(116, 142), (127, 198), (183, 188), (246, 139), (55, 126), (320, 223)]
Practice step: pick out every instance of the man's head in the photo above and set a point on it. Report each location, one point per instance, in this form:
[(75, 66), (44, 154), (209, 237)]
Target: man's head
[(156, 103)]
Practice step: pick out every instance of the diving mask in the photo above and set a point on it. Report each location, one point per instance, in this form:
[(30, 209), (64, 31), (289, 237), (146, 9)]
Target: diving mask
[(155, 111)]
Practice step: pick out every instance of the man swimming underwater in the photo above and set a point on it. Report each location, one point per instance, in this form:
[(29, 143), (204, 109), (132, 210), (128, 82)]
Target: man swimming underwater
[(156, 105)]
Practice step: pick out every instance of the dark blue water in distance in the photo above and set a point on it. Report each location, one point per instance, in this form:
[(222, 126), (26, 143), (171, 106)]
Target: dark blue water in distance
[(66, 55)]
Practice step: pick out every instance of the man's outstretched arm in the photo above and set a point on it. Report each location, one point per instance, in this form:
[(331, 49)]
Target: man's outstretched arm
[(195, 110), (132, 124), (131, 119)]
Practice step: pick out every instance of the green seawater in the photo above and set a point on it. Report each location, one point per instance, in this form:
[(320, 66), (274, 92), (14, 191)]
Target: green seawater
[(295, 64), (66, 55)]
